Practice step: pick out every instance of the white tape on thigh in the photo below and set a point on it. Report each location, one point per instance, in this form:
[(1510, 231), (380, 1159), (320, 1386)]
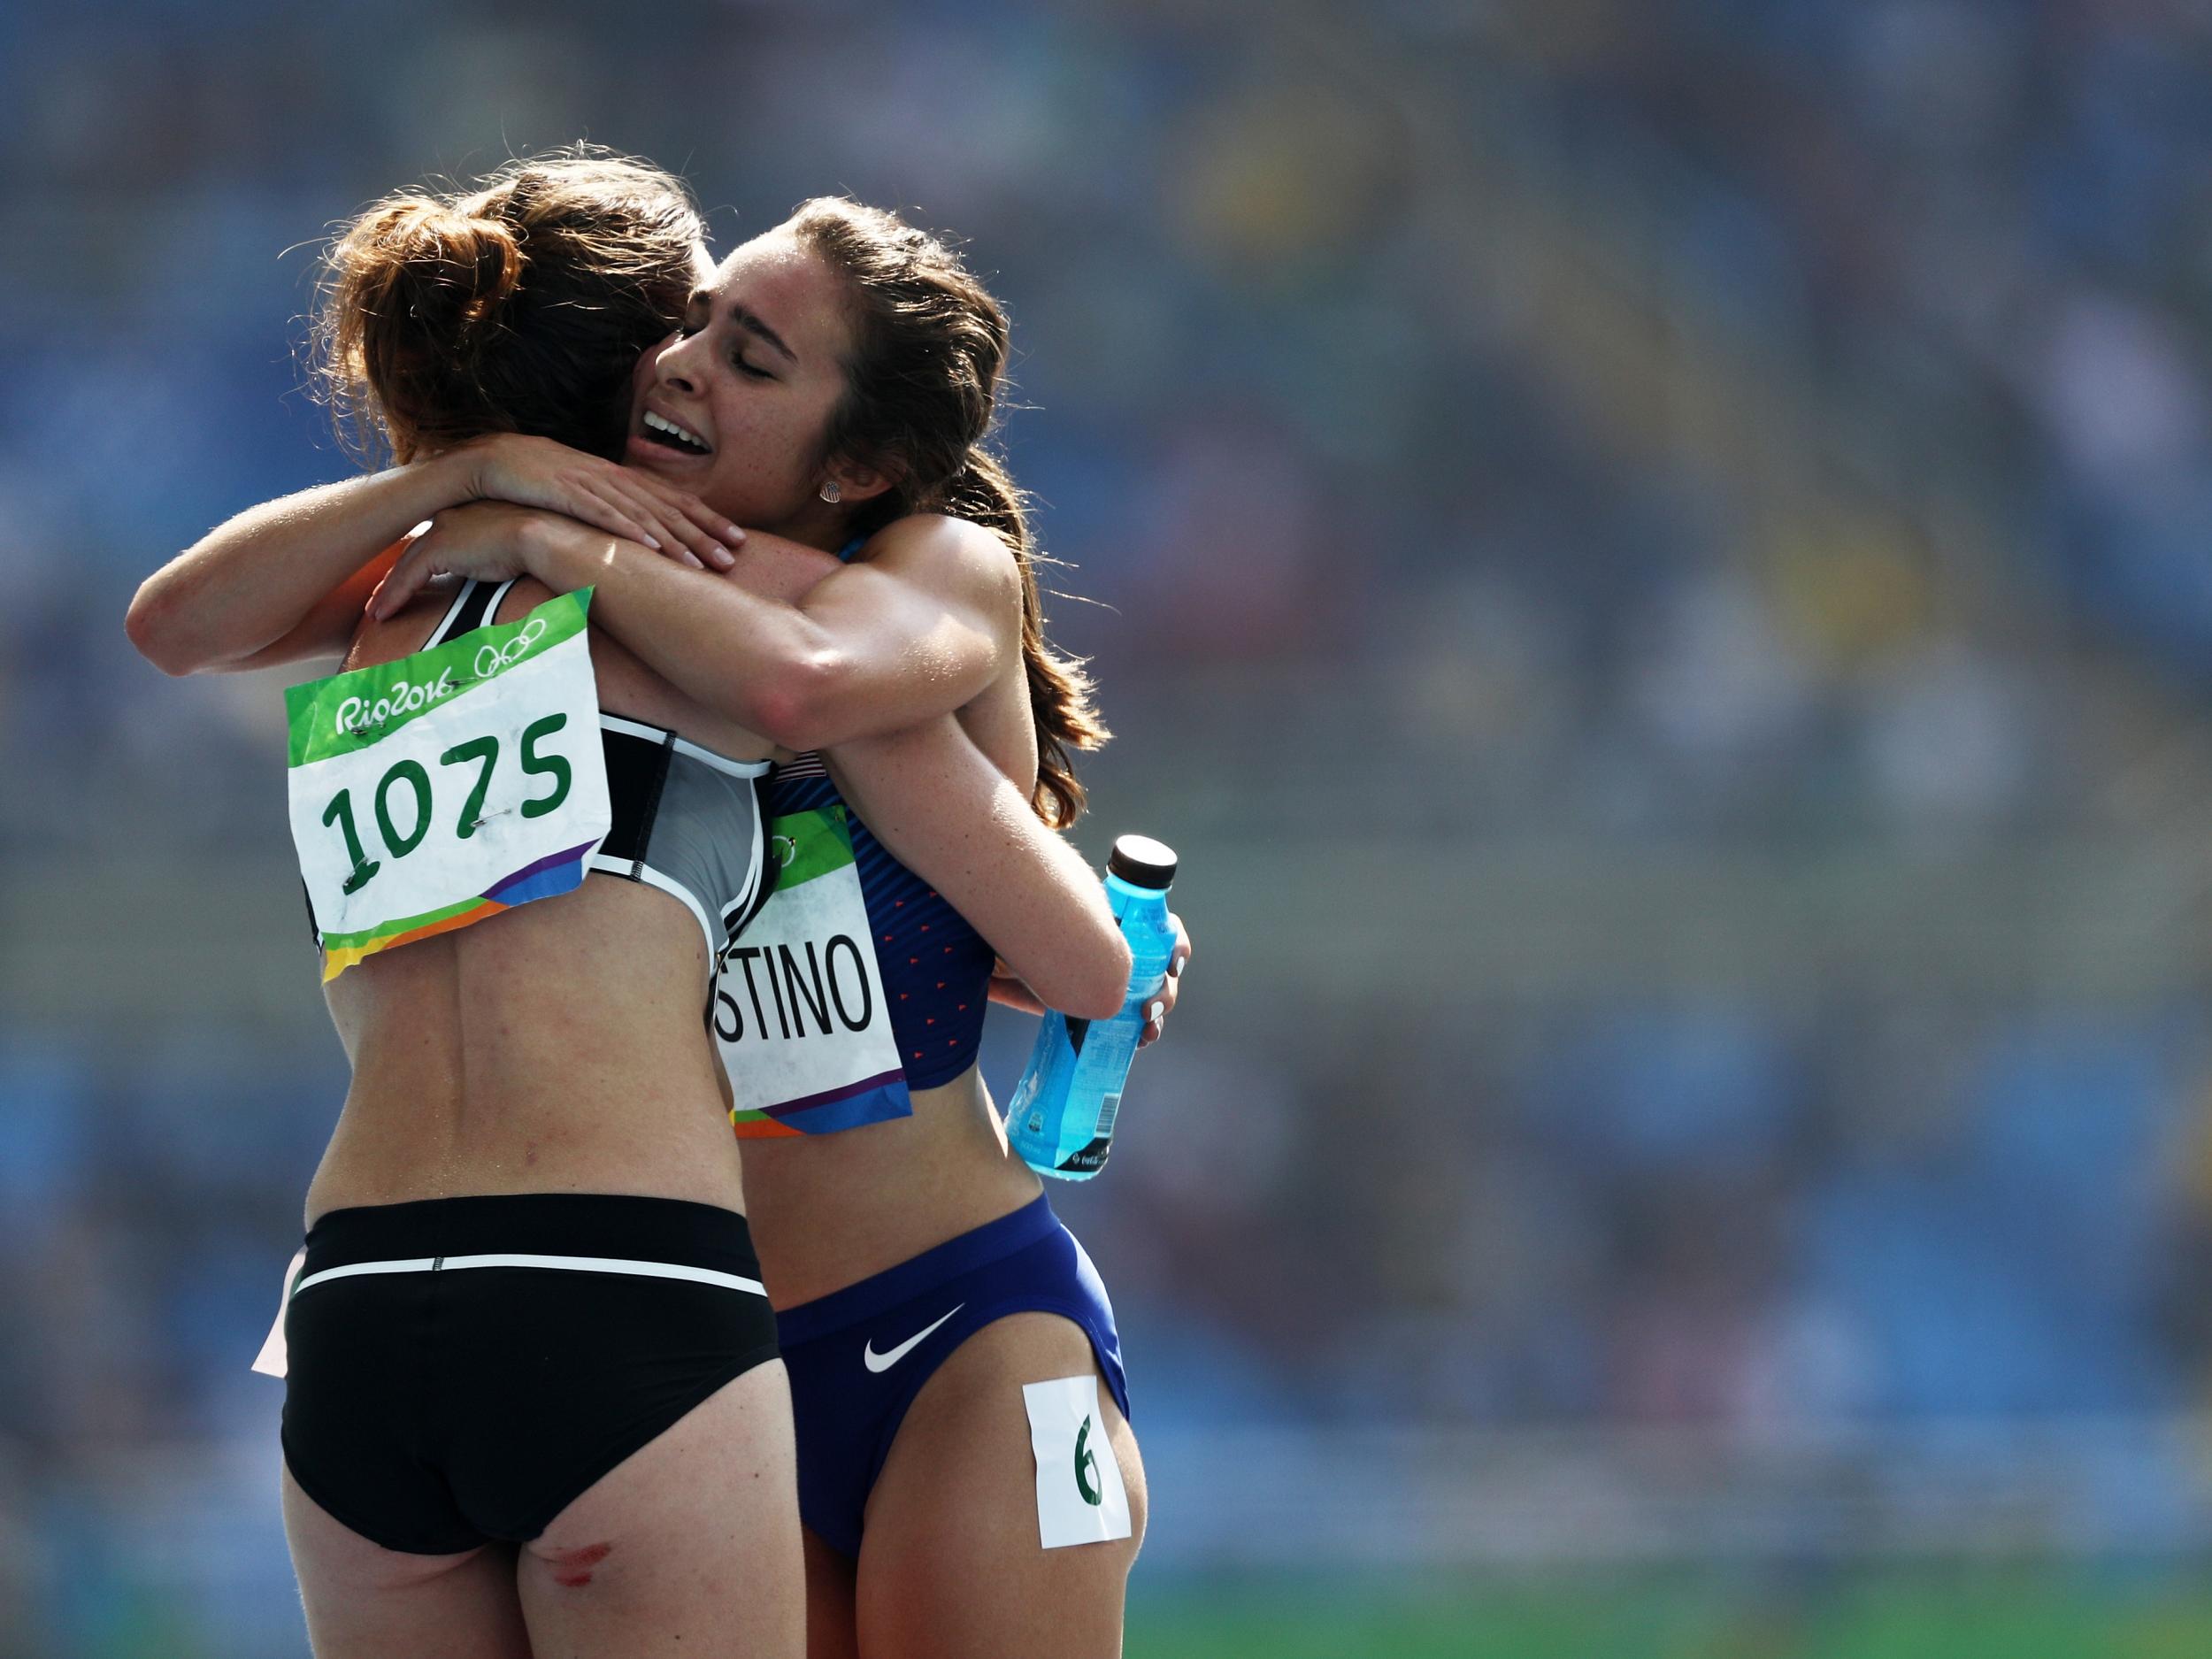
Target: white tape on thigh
[(1080, 1499)]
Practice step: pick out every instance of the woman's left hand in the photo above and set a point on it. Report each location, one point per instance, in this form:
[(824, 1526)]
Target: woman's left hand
[(484, 541), (1164, 1004)]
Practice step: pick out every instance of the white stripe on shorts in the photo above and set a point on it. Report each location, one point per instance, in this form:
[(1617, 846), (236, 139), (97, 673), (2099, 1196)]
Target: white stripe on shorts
[(570, 1264)]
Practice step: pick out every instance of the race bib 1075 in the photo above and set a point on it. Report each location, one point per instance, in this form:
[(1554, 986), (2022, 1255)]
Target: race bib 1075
[(435, 791)]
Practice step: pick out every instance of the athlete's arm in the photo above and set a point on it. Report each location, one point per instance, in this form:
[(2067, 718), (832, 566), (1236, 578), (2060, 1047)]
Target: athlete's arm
[(286, 581), (935, 799), (921, 626), (281, 582), (1009, 989), (951, 816)]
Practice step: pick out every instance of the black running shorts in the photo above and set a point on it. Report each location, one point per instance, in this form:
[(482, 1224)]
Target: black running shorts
[(462, 1369)]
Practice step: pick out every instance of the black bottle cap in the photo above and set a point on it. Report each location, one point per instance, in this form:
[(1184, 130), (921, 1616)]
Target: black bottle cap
[(1142, 862)]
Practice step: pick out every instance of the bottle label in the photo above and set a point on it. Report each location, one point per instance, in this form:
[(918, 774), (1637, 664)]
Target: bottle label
[(1090, 1159)]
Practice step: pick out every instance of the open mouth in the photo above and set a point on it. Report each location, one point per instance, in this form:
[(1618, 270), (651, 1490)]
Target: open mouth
[(661, 430)]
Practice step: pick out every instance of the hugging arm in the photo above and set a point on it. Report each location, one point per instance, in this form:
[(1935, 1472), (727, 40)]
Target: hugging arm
[(287, 581), (947, 812), (951, 606), (875, 657), (920, 627), (281, 582)]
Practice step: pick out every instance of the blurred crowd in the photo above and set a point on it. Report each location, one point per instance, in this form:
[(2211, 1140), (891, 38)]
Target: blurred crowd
[(1752, 427)]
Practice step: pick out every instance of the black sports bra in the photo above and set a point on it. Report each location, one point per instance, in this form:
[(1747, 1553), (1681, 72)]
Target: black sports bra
[(686, 820)]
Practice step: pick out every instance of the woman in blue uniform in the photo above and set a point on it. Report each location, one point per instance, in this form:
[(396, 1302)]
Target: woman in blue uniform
[(554, 1055)]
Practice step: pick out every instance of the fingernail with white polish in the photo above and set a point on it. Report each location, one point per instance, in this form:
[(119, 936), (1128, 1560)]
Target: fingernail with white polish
[(1154, 1012)]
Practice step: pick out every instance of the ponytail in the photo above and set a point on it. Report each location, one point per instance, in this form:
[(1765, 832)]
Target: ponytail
[(930, 352), (1059, 689)]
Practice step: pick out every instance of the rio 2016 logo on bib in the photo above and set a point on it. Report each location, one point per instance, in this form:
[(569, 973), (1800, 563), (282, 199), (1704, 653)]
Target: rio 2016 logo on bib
[(434, 792), (799, 1016)]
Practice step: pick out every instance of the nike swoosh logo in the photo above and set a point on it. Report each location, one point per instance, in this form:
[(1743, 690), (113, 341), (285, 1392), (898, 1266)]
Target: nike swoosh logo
[(884, 1362)]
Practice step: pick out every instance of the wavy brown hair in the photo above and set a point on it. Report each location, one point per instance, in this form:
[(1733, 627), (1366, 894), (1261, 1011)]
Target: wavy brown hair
[(519, 304), (922, 385)]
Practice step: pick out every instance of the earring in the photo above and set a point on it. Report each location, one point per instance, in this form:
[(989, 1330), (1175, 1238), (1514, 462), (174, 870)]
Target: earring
[(832, 492)]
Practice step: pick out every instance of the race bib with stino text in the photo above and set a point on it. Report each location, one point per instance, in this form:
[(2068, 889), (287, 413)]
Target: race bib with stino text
[(800, 1015)]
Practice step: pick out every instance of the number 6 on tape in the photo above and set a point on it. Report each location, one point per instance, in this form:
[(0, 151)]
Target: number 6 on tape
[(1080, 1499), (435, 791)]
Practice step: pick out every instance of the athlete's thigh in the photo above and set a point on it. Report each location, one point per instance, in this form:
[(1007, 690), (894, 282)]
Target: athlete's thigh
[(829, 1600), (366, 1601), (688, 1547), (951, 1562)]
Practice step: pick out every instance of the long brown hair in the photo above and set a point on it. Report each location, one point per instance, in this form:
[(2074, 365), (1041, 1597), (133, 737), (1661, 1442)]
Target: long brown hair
[(519, 305), (921, 387)]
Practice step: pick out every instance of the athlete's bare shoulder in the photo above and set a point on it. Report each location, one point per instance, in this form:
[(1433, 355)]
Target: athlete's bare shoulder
[(955, 557)]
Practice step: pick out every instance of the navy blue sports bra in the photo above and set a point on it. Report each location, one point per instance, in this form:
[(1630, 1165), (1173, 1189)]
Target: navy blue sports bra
[(935, 968)]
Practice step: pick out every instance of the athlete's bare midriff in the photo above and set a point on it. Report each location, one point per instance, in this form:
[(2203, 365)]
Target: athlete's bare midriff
[(560, 1047), (829, 1210)]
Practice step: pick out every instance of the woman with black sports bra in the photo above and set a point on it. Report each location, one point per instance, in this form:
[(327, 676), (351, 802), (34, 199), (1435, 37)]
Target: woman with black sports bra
[(533, 1402)]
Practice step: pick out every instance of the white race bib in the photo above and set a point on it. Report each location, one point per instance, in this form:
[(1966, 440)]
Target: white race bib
[(432, 792), (800, 1014)]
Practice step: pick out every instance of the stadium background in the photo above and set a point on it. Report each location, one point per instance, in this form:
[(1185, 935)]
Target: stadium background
[(1652, 556)]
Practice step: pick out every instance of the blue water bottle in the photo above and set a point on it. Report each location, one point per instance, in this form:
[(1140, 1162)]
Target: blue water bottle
[(1061, 1119)]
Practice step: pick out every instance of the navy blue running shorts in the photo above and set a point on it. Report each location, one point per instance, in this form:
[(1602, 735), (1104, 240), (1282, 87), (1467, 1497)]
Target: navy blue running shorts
[(858, 1356)]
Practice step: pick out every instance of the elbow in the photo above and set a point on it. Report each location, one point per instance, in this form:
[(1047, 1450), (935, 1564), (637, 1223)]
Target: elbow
[(1082, 983), (791, 708), (1104, 985), (150, 628)]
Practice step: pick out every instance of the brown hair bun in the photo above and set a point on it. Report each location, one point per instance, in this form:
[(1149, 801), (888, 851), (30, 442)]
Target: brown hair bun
[(520, 304), (432, 265)]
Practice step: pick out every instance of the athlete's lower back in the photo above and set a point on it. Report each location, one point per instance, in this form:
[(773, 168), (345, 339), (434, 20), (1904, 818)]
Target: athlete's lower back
[(559, 1046)]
